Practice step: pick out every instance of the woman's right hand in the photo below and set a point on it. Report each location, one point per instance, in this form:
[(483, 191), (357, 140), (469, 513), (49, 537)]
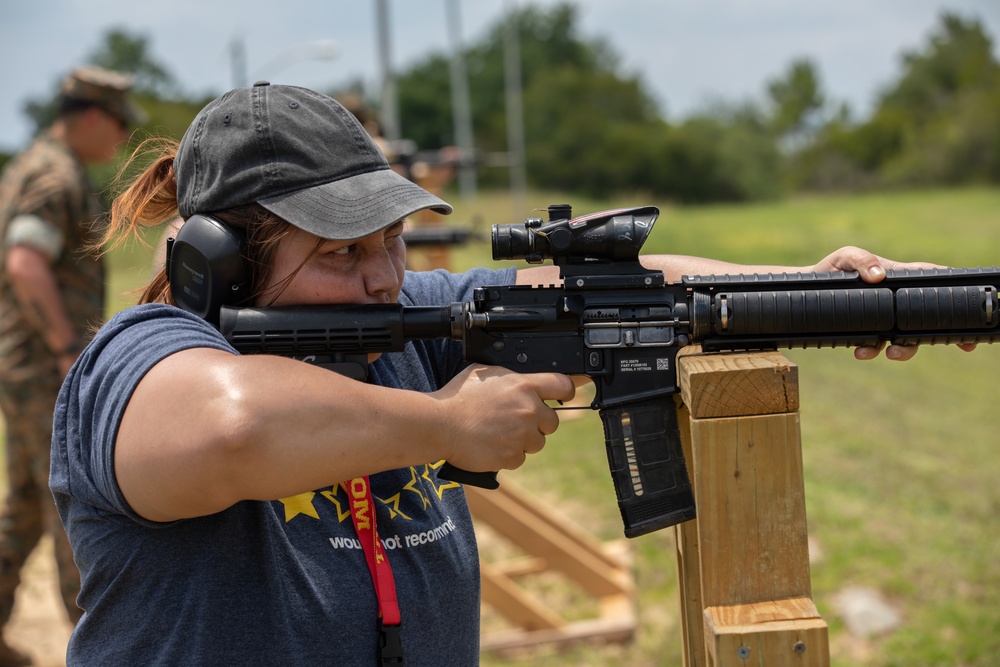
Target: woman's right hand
[(494, 417)]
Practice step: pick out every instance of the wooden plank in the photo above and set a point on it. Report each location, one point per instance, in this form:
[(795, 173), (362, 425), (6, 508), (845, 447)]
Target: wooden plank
[(777, 633), (521, 567), (514, 603), (734, 385), (751, 509), (612, 629), (553, 520), (553, 544), (689, 565), (784, 644), (766, 611), (581, 559)]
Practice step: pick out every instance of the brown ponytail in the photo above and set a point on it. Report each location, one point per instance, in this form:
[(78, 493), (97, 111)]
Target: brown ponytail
[(150, 200)]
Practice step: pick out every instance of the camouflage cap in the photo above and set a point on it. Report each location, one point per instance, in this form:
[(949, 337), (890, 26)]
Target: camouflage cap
[(104, 88)]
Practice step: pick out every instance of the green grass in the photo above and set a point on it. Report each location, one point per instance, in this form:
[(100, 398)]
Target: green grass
[(901, 460)]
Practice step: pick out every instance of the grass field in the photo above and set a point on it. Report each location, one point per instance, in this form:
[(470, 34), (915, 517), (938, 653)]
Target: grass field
[(901, 460)]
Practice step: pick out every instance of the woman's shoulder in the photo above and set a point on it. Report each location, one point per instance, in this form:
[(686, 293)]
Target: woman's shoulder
[(156, 323), (155, 314)]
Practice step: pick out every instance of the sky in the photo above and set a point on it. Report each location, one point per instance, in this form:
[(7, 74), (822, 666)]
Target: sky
[(688, 52)]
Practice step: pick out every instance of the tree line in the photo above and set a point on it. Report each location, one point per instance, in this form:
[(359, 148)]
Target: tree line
[(592, 128)]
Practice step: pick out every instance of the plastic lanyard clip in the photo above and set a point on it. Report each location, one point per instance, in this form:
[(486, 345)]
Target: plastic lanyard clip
[(390, 645)]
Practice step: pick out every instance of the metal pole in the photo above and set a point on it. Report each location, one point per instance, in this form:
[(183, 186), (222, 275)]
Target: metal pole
[(515, 112), (460, 106), (238, 62), (389, 117)]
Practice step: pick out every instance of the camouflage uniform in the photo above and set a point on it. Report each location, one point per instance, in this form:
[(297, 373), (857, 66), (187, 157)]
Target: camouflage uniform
[(47, 202)]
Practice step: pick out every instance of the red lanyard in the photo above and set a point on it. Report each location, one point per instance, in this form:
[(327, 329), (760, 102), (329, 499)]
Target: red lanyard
[(390, 650)]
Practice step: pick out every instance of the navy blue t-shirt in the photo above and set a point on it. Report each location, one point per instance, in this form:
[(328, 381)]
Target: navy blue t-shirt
[(261, 583)]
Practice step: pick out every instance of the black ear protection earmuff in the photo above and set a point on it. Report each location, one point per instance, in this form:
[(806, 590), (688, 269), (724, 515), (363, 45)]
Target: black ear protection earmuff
[(206, 267)]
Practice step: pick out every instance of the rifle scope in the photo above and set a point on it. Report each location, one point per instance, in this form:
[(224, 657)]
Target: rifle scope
[(615, 236)]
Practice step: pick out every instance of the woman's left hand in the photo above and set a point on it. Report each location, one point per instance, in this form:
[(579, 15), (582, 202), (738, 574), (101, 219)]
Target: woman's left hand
[(872, 269)]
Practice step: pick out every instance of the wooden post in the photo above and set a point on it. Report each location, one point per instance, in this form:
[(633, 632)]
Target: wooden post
[(743, 564)]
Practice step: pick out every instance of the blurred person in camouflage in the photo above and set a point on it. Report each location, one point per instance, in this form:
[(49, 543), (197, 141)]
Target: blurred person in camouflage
[(51, 296)]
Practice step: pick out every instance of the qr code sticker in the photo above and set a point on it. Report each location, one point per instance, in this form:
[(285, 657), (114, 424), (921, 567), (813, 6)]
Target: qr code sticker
[(663, 364)]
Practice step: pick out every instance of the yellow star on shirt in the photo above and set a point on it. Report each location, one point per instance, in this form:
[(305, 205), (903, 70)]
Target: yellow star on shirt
[(331, 495), (300, 504), (392, 502)]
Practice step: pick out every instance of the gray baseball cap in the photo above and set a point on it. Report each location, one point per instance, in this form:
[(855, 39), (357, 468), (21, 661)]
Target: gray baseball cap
[(300, 155)]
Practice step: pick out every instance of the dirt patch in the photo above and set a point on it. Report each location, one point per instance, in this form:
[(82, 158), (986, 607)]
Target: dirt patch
[(39, 625)]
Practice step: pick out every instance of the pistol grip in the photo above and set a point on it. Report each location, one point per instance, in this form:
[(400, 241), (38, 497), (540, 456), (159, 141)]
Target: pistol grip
[(486, 480), (647, 465)]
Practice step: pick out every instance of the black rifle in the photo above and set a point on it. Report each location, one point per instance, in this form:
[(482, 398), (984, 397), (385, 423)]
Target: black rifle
[(620, 324)]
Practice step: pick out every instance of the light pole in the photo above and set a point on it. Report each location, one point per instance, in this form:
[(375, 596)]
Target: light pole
[(389, 116), (515, 111), (460, 106), (238, 62)]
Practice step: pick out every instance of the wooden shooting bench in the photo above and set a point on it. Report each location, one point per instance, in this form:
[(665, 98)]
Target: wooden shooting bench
[(742, 565)]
